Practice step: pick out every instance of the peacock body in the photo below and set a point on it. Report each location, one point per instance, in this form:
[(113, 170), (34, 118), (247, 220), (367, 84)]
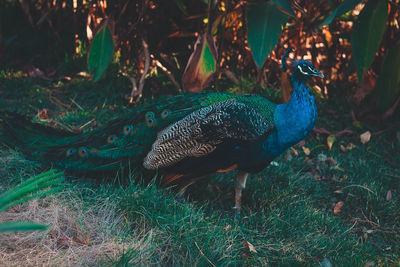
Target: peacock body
[(185, 137)]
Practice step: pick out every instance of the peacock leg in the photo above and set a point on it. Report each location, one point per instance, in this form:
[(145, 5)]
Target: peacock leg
[(241, 178)]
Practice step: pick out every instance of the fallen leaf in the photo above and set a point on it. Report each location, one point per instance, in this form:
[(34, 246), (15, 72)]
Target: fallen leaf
[(43, 114), (330, 140), (365, 137), (389, 195), (338, 207), (350, 146), (250, 246), (306, 150), (370, 264)]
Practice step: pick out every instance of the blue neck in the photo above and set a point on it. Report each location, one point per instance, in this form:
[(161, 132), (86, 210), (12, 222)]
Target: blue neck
[(293, 120)]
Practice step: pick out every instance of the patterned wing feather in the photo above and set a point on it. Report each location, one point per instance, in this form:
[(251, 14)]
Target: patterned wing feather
[(199, 133)]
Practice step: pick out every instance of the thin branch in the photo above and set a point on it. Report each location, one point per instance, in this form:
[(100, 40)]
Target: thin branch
[(392, 109), (135, 90), (169, 75), (201, 252)]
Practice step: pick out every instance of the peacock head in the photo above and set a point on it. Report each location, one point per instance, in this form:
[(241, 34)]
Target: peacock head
[(304, 70)]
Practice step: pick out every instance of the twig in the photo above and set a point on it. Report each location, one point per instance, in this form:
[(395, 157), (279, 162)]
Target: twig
[(392, 109), (86, 124), (73, 101), (231, 76), (201, 252), (138, 91), (169, 75), (356, 221), (357, 185)]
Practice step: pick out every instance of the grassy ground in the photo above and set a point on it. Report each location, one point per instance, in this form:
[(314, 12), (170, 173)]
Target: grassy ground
[(329, 207)]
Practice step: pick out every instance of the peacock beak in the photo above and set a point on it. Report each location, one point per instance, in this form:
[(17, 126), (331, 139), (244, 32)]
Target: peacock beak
[(318, 73)]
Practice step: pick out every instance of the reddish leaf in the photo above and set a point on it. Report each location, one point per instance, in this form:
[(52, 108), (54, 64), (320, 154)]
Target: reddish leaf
[(338, 207), (201, 65)]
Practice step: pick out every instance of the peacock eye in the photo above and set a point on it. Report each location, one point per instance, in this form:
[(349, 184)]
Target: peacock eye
[(70, 152), (165, 113), (83, 152), (149, 114), (127, 129), (111, 139), (150, 121), (94, 151)]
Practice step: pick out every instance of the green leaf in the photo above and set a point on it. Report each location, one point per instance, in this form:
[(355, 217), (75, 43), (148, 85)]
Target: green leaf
[(285, 5), (201, 65), (343, 8), (388, 82), (101, 52), (181, 6), (264, 22), (367, 34), (21, 226)]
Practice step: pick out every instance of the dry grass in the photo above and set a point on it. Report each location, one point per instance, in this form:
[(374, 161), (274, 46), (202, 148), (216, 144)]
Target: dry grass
[(78, 235)]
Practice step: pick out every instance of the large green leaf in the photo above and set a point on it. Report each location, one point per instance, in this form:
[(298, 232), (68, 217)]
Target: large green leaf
[(21, 226), (264, 22), (285, 5), (343, 8), (201, 64), (388, 82), (367, 34), (38, 186), (100, 52)]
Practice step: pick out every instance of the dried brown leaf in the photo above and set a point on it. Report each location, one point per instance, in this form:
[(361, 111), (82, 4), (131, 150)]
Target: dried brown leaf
[(338, 207), (365, 137), (250, 246), (306, 150)]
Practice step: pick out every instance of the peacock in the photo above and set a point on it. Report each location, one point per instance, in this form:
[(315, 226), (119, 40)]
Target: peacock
[(183, 137)]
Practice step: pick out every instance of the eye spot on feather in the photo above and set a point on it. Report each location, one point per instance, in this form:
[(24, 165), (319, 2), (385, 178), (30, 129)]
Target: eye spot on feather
[(83, 152), (127, 129), (150, 122), (165, 113), (149, 114), (237, 148), (94, 151), (70, 152), (111, 139)]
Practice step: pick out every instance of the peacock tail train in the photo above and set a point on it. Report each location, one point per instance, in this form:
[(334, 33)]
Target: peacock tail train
[(122, 142)]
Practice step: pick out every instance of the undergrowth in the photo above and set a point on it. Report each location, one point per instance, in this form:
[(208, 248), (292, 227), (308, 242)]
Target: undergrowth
[(290, 210)]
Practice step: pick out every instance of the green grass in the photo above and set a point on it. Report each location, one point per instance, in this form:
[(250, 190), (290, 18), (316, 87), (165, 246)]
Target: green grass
[(287, 213)]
